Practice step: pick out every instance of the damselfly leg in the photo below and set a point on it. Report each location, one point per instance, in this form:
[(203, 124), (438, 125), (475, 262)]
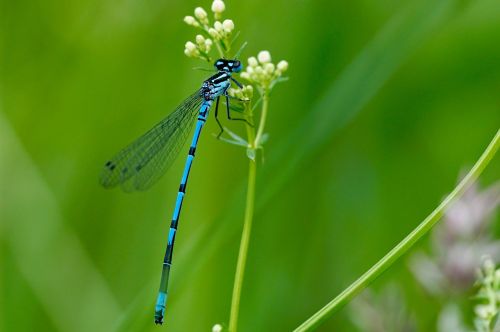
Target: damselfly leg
[(228, 109)]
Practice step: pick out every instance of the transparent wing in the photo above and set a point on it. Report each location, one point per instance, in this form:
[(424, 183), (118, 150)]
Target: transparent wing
[(146, 159)]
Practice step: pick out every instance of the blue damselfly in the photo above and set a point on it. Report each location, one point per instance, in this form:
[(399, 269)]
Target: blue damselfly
[(145, 160)]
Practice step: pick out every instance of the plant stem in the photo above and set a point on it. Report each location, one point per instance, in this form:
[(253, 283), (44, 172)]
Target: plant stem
[(343, 298), (263, 116), (219, 48), (254, 143), (245, 239)]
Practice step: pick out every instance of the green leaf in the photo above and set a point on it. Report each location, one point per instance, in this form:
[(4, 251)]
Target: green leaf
[(251, 154)]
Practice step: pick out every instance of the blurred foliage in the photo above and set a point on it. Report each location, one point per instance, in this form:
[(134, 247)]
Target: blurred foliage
[(387, 101)]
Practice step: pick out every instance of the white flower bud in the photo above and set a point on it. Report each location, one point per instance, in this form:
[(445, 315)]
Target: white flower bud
[(259, 70), (217, 327), (218, 6), (191, 53), (245, 75), (248, 91), (212, 32), (208, 42), (269, 68), (218, 26), (190, 20), (282, 66), (190, 46), (200, 13), (264, 57), (228, 25), (252, 62), (200, 39)]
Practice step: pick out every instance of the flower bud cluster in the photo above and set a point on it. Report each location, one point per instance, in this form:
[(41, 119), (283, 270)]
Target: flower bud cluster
[(262, 71), (489, 295), (245, 93), (200, 49), (222, 31), (200, 18), (219, 33)]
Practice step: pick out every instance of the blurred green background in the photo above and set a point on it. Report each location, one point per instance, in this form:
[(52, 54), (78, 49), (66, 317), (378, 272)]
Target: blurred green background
[(387, 102)]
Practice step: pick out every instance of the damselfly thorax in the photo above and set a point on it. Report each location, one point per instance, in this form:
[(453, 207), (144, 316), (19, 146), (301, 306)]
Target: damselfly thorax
[(217, 85)]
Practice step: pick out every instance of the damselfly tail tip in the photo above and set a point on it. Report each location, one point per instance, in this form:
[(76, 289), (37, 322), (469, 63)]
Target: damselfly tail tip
[(160, 308), (159, 317)]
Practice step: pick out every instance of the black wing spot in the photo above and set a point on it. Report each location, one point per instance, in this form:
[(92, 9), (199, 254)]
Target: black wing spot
[(110, 165)]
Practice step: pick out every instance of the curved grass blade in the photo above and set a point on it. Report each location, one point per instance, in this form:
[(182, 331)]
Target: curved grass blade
[(144, 161)]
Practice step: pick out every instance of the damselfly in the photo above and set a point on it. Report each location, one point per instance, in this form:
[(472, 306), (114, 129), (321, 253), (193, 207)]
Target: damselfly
[(144, 161)]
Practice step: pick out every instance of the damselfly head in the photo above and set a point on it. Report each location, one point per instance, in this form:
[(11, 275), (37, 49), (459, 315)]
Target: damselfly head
[(232, 66)]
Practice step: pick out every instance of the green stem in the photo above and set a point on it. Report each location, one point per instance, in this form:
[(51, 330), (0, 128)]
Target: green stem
[(254, 140), (245, 240), (263, 116), (219, 49), (324, 313)]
